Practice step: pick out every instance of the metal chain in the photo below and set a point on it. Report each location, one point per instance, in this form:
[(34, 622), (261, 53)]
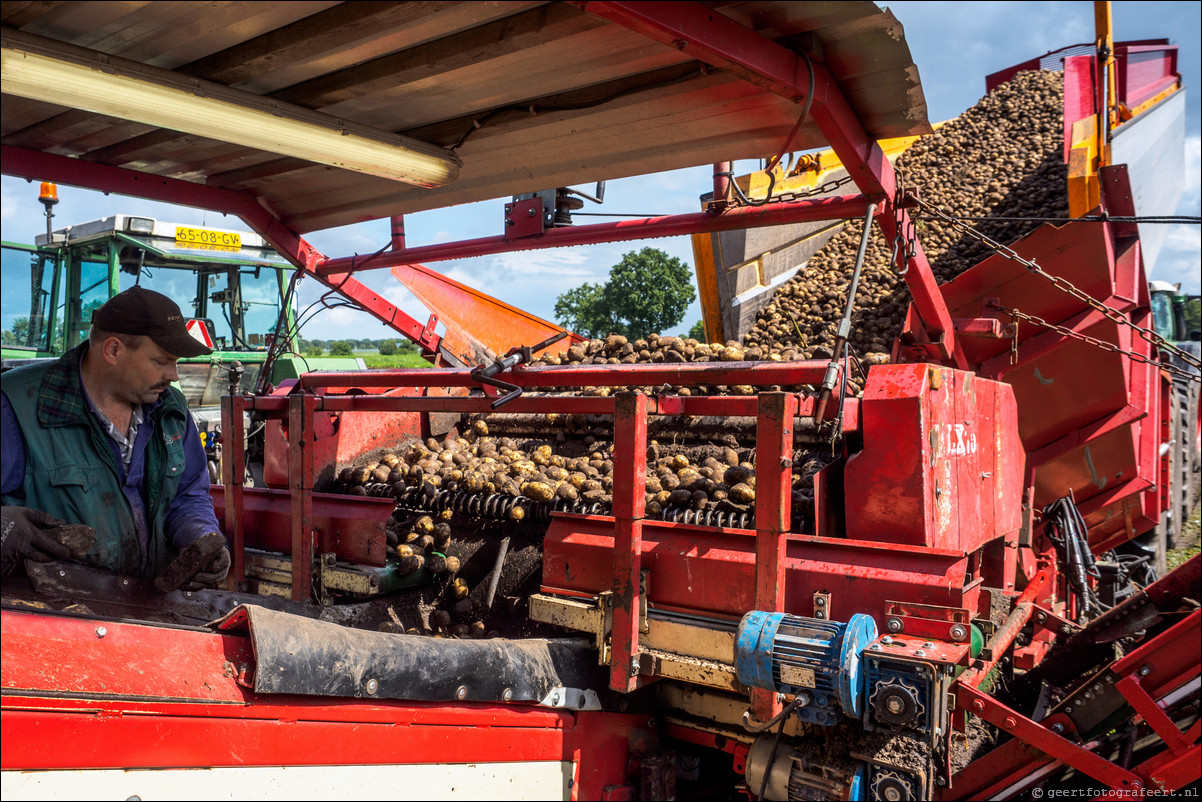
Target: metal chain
[(1105, 346), (790, 197), (904, 237), (1062, 284)]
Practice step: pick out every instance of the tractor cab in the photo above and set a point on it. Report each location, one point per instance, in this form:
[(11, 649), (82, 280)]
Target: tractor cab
[(233, 285)]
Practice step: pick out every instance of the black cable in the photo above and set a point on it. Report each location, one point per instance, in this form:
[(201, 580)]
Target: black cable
[(1067, 530), (780, 733), (805, 112)]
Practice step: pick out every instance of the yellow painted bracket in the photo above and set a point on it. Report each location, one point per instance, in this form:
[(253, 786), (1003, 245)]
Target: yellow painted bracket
[(1084, 191), (802, 173)]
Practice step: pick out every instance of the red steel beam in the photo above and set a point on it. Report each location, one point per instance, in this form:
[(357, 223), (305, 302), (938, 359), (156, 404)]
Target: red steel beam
[(629, 501), (300, 483), (1034, 733), (700, 32), (736, 407), (1024, 605), (773, 499), (764, 374), (37, 166), (773, 516), (831, 208)]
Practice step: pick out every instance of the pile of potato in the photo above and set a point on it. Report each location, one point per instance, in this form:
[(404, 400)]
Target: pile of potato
[(1002, 157)]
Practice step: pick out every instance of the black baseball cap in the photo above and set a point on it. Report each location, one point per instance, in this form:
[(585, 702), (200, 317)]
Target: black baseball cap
[(142, 311)]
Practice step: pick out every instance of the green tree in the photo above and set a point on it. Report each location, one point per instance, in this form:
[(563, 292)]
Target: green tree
[(647, 292), (18, 334), (698, 331), (582, 310), (1193, 315), (313, 349), (341, 348), (387, 347)]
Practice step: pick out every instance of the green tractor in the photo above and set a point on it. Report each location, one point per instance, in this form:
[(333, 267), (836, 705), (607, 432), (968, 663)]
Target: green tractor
[(1176, 318), (237, 291)]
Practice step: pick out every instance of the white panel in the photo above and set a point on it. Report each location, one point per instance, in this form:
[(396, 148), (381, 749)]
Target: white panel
[(531, 780), (1152, 146)]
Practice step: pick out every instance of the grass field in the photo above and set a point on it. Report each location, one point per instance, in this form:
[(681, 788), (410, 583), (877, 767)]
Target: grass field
[(1193, 529), (406, 360)]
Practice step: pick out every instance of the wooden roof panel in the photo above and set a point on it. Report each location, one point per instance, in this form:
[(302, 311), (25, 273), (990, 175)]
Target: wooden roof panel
[(607, 102), (343, 37)]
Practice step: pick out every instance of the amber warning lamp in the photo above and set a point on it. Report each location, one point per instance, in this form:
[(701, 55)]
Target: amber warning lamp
[(49, 194)]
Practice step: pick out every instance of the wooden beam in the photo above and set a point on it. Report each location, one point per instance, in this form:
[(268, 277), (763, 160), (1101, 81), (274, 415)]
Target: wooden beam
[(486, 42), (448, 132), (341, 26), (18, 13)]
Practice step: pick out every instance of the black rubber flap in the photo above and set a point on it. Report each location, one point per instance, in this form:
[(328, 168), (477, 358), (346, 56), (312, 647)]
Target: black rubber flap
[(316, 658)]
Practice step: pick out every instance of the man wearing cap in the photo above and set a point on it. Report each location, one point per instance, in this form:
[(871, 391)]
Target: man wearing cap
[(100, 437)]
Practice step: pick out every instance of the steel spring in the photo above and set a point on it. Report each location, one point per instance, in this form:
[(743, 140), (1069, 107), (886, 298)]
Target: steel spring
[(493, 505), (378, 489), (498, 506), (721, 519)]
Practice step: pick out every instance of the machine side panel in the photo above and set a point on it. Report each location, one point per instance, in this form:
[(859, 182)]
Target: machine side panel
[(941, 465)]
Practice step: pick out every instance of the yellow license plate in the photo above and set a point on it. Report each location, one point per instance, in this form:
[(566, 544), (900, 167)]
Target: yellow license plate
[(207, 238)]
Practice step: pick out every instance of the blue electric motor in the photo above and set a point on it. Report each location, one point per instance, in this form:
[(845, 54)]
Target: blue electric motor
[(793, 654)]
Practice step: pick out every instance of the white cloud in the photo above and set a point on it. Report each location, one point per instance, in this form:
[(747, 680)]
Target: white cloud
[(9, 205), (561, 262), (1191, 191)]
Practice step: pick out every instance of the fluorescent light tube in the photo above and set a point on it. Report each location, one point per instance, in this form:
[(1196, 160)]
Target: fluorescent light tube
[(82, 79)]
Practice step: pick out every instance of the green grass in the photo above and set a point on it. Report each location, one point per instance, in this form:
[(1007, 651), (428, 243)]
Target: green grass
[(405, 360), (1193, 526)]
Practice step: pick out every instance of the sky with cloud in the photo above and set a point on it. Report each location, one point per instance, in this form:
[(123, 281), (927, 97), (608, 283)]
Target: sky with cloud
[(955, 45)]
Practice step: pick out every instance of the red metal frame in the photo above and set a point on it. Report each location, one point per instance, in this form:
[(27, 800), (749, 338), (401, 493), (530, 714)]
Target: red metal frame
[(697, 31), (82, 694), (629, 502), (1144, 676), (740, 570), (1150, 671), (300, 410), (830, 208)]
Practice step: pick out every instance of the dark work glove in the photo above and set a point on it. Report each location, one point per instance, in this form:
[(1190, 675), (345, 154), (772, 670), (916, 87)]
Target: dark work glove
[(214, 574), (36, 535), (204, 561)]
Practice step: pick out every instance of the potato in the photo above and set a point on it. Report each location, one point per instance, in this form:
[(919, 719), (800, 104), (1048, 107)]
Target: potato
[(538, 491), (680, 498), (411, 564), (742, 494)]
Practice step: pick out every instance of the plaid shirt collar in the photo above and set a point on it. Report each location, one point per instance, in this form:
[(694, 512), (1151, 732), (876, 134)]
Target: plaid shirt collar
[(61, 399)]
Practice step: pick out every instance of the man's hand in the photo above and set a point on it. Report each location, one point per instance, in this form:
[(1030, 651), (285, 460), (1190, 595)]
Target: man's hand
[(203, 562), (214, 574), (33, 534)]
